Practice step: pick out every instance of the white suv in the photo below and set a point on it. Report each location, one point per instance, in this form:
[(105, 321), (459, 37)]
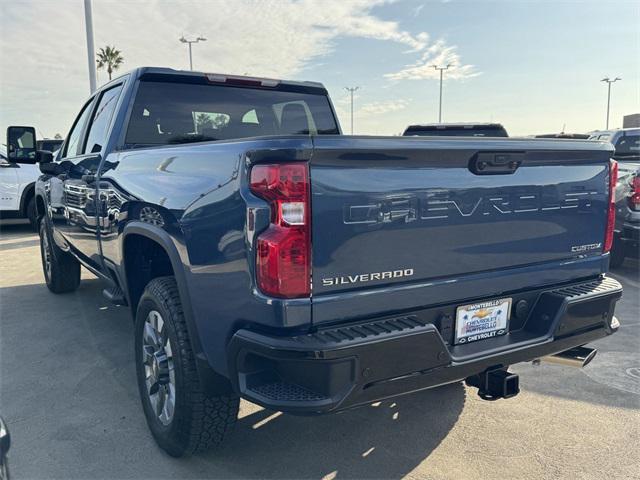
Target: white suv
[(17, 183)]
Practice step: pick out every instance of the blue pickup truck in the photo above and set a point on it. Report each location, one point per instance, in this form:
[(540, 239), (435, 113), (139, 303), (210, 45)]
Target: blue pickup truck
[(266, 256)]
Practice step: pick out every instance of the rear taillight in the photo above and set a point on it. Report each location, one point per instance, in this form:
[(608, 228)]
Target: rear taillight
[(283, 259), (634, 194), (611, 217)]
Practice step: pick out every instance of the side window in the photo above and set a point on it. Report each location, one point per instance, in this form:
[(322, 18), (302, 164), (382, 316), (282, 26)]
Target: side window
[(73, 144), (100, 123)]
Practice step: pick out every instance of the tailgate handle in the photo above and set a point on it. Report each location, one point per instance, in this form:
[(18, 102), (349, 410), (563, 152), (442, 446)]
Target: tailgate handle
[(495, 163)]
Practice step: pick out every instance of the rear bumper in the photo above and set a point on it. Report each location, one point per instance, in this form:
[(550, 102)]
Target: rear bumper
[(348, 365)]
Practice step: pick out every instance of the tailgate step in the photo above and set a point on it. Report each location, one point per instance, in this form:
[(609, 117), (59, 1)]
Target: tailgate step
[(595, 288), (360, 332)]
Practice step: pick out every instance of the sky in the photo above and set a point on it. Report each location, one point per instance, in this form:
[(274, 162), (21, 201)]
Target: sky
[(534, 66)]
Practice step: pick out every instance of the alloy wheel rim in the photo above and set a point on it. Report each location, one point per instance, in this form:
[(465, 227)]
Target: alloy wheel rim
[(46, 250), (157, 359)]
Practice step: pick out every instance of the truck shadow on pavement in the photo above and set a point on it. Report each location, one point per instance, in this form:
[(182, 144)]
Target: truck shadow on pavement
[(386, 440)]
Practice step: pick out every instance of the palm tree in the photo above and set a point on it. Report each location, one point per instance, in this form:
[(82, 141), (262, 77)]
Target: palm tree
[(109, 57)]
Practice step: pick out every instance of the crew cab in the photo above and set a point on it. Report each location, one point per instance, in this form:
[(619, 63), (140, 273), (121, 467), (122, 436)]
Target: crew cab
[(265, 255)]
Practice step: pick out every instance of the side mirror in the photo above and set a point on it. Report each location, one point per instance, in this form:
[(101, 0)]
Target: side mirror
[(44, 156), (51, 168), (21, 145)]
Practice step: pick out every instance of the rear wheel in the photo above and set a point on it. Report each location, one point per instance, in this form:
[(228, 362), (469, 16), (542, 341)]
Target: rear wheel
[(182, 419), (61, 269)]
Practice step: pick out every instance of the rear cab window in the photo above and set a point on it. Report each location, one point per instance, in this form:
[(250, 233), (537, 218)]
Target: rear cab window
[(166, 113)]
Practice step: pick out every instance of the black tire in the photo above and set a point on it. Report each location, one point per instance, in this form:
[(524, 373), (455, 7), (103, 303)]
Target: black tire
[(198, 422), (32, 214), (63, 273), (618, 254)]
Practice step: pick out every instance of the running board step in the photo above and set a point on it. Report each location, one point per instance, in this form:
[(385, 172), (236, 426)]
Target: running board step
[(115, 295)]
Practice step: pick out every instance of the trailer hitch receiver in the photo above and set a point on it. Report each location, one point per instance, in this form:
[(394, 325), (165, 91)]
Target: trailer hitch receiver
[(495, 383)]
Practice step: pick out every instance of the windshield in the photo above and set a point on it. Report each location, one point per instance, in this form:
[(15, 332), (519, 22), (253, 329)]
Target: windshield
[(169, 113), (628, 146)]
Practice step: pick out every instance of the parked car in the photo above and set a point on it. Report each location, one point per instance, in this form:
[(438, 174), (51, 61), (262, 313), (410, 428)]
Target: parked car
[(456, 130), (17, 188), (208, 203), (626, 142), (572, 136)]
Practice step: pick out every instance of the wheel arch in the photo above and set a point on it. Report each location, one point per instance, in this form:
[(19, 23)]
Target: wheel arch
[(136, 272), (28, 193)]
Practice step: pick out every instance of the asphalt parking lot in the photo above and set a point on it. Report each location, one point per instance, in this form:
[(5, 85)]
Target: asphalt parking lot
[(68, 394)]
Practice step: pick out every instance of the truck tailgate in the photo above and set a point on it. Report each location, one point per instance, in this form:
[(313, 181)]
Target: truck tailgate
[(391, 213)]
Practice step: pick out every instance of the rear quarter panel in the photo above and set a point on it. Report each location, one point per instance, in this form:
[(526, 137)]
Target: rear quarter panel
[(200, 192)]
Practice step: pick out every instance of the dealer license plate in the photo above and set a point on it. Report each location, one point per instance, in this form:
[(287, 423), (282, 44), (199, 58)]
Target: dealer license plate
[(479, 321)]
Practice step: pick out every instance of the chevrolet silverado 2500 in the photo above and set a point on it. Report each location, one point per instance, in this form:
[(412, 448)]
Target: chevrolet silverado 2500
[(264, 255)]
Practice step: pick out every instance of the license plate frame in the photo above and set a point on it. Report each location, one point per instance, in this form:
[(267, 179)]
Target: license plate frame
[(484, 320)]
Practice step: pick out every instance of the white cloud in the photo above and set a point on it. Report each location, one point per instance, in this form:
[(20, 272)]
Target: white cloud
[(439, 54), (44, 73)]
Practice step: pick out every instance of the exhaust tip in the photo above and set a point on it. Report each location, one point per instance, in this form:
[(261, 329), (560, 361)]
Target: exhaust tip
[(578, 357), (589, 354)]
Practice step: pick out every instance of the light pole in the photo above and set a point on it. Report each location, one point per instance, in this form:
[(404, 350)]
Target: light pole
[(189, 42), (351, 90), (441, 69), (88, 21), (609, 82)]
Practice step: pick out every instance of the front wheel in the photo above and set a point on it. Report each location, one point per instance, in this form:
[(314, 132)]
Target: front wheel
[(31, 213), (182, 419), (61, 269)]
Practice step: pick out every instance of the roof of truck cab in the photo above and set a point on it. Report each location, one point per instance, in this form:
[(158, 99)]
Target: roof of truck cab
[(186, 74)]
